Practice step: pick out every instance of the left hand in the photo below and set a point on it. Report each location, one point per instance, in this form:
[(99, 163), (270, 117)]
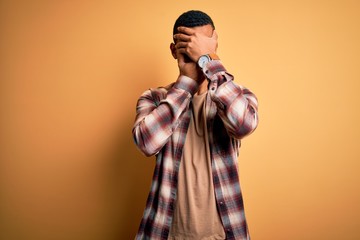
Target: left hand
[(195, 44), (189, 69)]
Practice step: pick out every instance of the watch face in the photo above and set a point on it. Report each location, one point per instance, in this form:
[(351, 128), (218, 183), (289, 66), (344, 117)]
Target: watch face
[(203, 60)]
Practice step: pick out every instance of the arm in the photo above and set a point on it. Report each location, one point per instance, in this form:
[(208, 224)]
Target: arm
[(237, 106), (154, 124)]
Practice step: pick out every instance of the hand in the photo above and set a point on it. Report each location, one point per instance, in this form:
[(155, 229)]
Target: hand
[(194, 43), (189, 68)]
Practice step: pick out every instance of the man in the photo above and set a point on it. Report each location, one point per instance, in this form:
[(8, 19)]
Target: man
[(194, 127)]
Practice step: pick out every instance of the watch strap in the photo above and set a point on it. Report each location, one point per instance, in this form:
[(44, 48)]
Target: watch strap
[(213, 56)]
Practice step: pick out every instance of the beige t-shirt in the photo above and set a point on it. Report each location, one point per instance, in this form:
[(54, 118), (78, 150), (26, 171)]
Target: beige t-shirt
[(196, 215)]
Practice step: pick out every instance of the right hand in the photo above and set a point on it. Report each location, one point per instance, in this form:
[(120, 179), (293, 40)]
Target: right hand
[(195, 44)]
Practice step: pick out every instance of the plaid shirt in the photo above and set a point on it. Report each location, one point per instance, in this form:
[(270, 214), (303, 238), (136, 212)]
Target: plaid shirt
[(162, 120)]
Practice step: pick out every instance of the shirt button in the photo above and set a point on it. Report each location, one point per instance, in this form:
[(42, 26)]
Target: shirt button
[(213, 88), (221, 203)]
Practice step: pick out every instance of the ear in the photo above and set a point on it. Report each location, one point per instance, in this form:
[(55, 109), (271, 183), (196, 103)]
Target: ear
[(215, 36), (173, 50)]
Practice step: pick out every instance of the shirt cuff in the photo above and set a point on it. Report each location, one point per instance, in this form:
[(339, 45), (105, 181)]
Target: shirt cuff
[(215, 71), (187, 84), (212, 68)]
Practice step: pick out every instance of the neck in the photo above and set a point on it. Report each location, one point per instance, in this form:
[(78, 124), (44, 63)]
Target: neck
[(203, 87)]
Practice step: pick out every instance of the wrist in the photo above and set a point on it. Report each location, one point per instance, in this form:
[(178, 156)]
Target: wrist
[(186, 83), (192, 76), (204, 59)]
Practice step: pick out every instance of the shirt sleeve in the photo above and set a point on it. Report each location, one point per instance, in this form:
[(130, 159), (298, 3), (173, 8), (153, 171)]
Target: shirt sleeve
[(237, 105), (155, 121)]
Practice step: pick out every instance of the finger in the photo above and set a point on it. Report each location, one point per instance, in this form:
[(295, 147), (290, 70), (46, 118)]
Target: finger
[(181, 51), (186, 30), (215, 35), (181, 45), (183, 58), (182, 37), (180, 57)]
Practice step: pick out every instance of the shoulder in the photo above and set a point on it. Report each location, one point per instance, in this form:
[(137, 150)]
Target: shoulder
[(157, 94)]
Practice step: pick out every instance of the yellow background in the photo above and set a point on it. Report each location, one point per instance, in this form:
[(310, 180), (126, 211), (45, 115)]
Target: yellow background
[(71, 72)]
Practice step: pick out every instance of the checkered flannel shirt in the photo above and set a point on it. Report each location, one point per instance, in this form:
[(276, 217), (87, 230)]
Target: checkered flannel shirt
[(162, 120)]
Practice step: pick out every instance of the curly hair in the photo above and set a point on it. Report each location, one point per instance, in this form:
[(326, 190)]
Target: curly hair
[(192, 18)]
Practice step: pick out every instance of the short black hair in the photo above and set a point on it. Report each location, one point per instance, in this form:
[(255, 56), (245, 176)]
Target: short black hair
[(192, 18)]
